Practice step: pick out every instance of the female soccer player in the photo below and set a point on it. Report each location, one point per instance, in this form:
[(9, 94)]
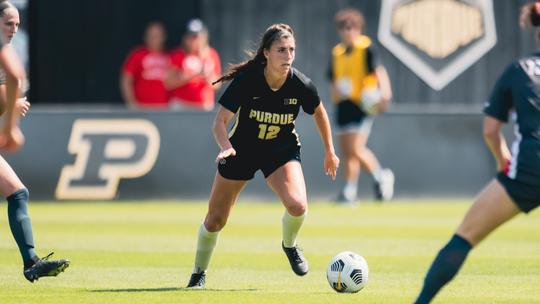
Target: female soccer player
[(354, 69), (266, 94), (11, 138), (516, 187)]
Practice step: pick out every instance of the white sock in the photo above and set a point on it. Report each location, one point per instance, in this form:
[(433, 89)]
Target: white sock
[(291, 226), (350, 190), (377, 174), (206, 242)]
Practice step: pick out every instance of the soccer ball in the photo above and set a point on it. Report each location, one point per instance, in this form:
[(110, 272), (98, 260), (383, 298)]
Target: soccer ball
[(347, 272), (371, 97)]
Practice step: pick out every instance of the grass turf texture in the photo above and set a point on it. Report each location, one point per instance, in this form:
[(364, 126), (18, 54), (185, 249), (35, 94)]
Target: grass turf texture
[(143, 253)]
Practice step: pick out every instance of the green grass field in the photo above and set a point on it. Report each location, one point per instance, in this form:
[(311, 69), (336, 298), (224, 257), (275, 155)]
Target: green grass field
[(143, 253)]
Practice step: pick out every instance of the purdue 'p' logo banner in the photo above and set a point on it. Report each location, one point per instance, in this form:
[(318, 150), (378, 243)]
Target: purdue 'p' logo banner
[(437, 39), (107, 150)]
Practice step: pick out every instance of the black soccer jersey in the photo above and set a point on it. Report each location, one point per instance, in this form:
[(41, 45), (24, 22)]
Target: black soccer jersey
[(517, 94), (265, 118)]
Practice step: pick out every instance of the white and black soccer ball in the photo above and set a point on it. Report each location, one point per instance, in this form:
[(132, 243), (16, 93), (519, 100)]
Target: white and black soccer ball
[(371, 97), (347, 272)]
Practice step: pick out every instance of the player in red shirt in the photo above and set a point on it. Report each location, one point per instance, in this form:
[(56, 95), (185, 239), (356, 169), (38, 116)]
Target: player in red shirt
[(193, 69), (143, 73)]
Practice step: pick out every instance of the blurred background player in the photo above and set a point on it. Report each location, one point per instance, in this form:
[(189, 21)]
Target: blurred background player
[(354, 70), (11, 139), (270, 93), (193, 68), (516, 188), (142, 78)]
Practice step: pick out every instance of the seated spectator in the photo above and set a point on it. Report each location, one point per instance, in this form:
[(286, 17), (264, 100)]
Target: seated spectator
[(193, 68), (143, 73)]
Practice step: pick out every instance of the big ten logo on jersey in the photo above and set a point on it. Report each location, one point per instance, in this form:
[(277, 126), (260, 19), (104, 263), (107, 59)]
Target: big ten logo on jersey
[(437, 39), (107, 150), (290, 101)]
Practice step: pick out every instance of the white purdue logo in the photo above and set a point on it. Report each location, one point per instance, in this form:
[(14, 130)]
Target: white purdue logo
[(107, 150), (437, 39)]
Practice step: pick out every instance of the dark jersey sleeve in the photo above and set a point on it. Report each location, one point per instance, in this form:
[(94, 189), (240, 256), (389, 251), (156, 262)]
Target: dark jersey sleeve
[(372, 59), (500, 101), (311, 98), (234, 95)]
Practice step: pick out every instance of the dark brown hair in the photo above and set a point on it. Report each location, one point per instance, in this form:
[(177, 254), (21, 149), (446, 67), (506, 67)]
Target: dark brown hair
[(349, 17), (273, 33), (4, 4)]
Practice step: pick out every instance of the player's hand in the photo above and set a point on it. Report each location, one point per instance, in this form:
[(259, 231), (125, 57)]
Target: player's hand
[(331, 164), (22, 106), (224, 153), (11, 139), (503, 166), (382, 106)]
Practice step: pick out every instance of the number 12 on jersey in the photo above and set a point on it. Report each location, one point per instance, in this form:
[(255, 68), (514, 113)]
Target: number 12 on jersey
[(268, 132)]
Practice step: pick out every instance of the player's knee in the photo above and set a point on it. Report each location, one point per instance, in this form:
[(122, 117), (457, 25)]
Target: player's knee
[(297, 207), (215, 223)]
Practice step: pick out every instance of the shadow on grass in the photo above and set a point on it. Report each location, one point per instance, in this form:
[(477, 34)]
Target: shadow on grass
[(165, 289)]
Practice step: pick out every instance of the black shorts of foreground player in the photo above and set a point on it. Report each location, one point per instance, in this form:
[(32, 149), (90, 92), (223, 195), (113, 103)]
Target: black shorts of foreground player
[(11, 139), (516, 187), (266, 93)]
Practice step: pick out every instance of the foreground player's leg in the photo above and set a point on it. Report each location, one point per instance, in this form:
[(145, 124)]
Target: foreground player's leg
[(492, 208), (224, 194), (288, 183), (21, 227)]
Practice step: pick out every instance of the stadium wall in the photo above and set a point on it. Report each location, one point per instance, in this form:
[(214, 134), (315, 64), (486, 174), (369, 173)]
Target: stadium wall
[(125, 155)]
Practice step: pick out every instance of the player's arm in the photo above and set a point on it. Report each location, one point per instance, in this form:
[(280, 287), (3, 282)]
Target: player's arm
[(385, 87), (331, 161), (126, 87), (12, 137), (22, 105), (219, 129), (496, 142)]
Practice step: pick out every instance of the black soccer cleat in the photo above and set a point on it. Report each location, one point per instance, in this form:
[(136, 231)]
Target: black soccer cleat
[(298, 262), (197, 280), (45, 268)]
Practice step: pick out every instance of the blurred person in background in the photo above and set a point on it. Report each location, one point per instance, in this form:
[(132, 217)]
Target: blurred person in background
[(11, 139), (516, 187), (356, 76), (266, 95), (193, 68), (143, 73)]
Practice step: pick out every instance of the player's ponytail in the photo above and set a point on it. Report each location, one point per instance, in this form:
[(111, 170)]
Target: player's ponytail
[(273, 33)]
